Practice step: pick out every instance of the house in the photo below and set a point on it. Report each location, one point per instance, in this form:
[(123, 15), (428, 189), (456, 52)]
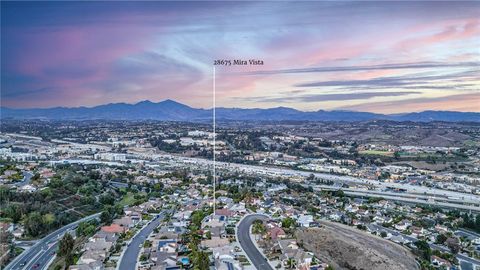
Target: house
[(439, 262), (371, 228), (335, 216), (403, 225), (224, 212), (417, 231), (276, 233), (225, 259), (293, 254), (114, 228), (305, 220), (399, 239), (126, 222), (215, 242)]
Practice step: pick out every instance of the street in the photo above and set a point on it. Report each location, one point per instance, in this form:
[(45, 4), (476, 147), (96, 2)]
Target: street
[(243, 237), (44, 249), (130, 257)]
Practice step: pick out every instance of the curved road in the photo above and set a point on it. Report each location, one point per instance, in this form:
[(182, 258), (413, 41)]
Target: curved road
[(243, 237), (25, 180), (44, 249), (130, 257)]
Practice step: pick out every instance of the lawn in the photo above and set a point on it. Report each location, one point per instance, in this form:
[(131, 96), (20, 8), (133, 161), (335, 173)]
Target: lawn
[(376, 153), (127, 199)]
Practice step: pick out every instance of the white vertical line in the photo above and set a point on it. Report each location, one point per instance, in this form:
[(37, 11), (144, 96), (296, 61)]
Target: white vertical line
[(214, 142)]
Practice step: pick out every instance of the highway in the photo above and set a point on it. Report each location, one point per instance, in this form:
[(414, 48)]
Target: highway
[(452, 196), (276, 171), (130, 256), (243, 237), (41, 253), (398, 197)]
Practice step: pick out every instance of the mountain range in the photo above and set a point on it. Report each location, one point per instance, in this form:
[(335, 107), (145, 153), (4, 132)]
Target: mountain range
[(170, 110)]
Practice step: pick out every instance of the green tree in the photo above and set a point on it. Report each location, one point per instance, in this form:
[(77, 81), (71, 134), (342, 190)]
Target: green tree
[(65, 249), (424, 249), (34, 224), (86, 229), (441, 238), (288, 223), (202, 261), (197, 218), (258, 227)]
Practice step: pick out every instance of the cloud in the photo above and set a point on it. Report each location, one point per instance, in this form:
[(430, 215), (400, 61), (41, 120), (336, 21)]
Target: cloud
[(330, 97), (419, 65), (463, 102), (397, 81), (90, 53), (452, 32)]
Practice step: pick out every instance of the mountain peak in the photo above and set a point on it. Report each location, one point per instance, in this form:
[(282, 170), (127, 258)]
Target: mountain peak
[(171, 101), (144, 102), (174, 111)]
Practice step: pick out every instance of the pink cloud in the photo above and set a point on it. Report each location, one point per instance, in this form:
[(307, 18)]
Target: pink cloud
[(450, 32)]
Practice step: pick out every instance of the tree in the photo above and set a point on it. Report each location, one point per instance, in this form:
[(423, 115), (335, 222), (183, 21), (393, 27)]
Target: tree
[(197, 218), (453, 244), (441, 238), (288, 223), (424, 249), (86, 228), (202, 262), (258, 227), (106, 217), (65, 249), (34, 224), (477, 223)]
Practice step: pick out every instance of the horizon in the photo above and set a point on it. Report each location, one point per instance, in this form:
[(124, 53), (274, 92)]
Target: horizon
[(354, 56), (251, 108)]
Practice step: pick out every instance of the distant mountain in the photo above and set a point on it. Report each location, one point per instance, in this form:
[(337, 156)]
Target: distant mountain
[(170, 110), (446, 116)]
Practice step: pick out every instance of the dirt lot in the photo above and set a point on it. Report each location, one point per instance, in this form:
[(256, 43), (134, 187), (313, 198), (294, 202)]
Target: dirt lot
[(348, 248)]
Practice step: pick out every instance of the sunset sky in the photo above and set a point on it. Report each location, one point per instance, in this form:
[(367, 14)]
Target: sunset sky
[(384, 57)]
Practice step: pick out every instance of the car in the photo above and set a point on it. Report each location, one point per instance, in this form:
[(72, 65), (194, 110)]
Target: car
[(36, 266), (23, 263)]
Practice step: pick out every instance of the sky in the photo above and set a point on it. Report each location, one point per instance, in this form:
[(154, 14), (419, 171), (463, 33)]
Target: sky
[(384, 57)]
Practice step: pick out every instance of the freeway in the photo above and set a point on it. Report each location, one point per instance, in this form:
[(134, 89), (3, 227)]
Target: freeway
[(277, 171), (243, 237), (393, 193), (398, 197), (40, 253), (130, 256), (453, 196)]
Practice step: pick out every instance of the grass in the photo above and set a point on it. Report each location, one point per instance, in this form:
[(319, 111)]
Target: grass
[(376, 153), (18, 250), (127, 199), (471, 143)]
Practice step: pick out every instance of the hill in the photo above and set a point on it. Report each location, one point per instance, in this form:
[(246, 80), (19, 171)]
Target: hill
[(170, 110)]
